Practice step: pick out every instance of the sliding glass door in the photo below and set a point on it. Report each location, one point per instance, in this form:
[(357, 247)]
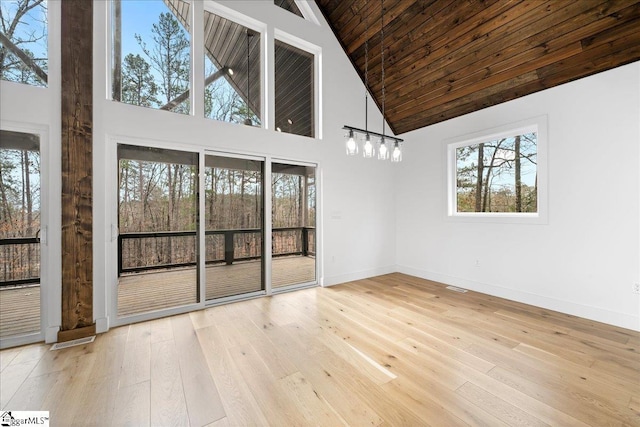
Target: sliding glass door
[(293, 219), (158, 223), (186, 237), (234, 226)]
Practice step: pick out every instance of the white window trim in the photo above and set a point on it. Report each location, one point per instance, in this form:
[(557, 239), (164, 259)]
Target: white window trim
[(307, 11), (536, 124)]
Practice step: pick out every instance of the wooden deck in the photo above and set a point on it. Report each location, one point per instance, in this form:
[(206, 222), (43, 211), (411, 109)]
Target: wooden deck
[(19, 311), (142, 292)]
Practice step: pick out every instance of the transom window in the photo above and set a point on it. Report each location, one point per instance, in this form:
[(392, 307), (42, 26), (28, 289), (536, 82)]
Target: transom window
[(289, 5)]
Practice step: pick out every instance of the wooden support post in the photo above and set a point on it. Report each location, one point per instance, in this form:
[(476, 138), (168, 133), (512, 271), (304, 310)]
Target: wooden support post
[(77, 129)]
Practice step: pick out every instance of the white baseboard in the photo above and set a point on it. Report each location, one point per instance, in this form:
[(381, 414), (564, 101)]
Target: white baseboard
[(622, 320), (358, 275), (51, 334), (102, 324)]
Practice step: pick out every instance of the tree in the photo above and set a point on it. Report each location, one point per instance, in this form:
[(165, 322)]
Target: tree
[(138, 85), (169, 56), (22, 25)]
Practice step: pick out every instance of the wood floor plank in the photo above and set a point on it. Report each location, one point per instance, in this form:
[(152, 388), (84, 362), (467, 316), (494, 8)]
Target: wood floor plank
[(239, 404), (133, 406), (203, 400), (168, 405), (388, 350), (506, 412), (12, 379)]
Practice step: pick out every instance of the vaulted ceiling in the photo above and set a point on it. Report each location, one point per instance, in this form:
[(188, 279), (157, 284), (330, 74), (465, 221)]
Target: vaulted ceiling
[(446, 58)]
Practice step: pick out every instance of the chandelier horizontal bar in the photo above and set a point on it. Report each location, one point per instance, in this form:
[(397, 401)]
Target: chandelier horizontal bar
[(346, 127)]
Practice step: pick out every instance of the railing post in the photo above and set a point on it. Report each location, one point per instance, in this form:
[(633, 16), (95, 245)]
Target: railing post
[(119, 255), (228, 247), (305, 241)]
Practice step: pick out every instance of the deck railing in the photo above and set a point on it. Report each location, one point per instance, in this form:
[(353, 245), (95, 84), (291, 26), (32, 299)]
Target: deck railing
[(20, 261), (143, 251)]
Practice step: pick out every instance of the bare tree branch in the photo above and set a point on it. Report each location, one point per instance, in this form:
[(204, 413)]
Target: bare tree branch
[(26, 59)]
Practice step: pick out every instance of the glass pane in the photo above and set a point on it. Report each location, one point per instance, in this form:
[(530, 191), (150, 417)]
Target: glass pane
[(151, 53), (19, 233), (293, 221), (233, 215), (24, 58), (232, 71), (158, 222), (294, 90), (498, 175), (289, 5)]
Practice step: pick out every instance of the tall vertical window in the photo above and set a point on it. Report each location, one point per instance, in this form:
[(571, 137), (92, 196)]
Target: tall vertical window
[(19, 233), (500, 174), (23, 41), (294, 87), (151, 53), (232, 71)]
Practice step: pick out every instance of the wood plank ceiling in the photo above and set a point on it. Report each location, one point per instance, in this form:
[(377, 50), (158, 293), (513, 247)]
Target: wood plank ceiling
[(446, 58)]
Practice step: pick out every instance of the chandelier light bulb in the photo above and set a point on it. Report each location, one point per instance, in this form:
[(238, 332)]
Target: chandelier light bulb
[(383, 151), (396, 155), (352, 146), (367, 149)]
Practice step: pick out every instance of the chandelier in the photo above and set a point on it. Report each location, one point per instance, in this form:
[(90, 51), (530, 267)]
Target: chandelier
[(387, 146)]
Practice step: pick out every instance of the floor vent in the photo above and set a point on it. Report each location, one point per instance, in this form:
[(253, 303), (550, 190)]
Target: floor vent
[(456, 289), (73, 343)]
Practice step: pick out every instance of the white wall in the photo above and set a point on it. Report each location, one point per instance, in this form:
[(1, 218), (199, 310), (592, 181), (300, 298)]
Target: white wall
[(356, 220), (585, 260)]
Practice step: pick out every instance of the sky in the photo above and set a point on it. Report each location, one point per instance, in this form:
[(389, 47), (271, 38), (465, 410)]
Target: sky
[(138, 16), (528, 170)]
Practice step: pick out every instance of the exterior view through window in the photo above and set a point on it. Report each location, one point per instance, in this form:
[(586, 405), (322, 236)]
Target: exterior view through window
[(294, 86), (232, 71), (151, 53), (293, 189), (19, 233), (233, 221), (289, 5), (498, 175), (157, 222), (23, 41)]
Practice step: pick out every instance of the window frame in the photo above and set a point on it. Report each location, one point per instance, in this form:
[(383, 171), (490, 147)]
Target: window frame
[(538, 125)]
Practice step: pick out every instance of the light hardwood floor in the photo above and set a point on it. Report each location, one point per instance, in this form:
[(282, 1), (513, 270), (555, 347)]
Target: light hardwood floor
[(391, 350)]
